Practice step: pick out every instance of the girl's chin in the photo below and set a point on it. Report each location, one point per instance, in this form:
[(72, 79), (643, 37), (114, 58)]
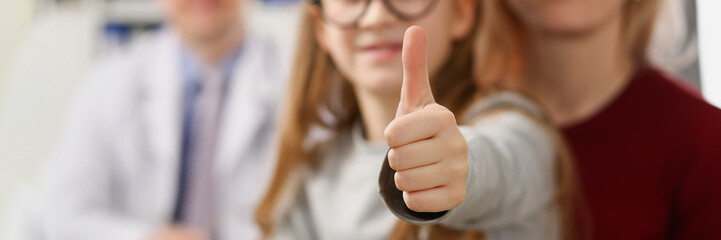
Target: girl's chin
[(381, 86)]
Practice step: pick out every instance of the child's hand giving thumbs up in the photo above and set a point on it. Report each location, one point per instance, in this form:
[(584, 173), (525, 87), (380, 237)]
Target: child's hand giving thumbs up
[(428, 152)]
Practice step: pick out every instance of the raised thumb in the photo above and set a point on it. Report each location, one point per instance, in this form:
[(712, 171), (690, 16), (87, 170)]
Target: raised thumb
[(416, 91)]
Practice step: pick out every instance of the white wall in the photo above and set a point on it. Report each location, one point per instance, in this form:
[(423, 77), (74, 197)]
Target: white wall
[(48, 63), (709, 21), (15, 16)]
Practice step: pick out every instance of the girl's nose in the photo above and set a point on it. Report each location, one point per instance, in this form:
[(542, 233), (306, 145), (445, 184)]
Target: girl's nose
[(377, 15)]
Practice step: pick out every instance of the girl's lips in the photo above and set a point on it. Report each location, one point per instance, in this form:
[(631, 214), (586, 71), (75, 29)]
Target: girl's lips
[(382, 51)]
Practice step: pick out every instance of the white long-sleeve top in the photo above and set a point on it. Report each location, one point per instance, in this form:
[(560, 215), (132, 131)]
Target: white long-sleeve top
[(510, 185)]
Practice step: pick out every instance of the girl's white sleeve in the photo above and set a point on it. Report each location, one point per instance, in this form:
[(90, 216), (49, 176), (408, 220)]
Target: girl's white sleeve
[(511, 180), (511, 174)]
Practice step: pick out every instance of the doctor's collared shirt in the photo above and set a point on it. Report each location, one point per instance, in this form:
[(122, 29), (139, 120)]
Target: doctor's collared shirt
[(193, 71), (115, 172)]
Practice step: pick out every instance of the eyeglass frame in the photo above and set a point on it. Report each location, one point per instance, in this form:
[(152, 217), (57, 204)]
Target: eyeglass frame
[(387, 3)]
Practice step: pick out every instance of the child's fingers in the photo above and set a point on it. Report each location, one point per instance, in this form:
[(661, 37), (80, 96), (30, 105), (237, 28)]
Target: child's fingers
[(418, 125), (422, 178), (417, 154), (435, 200)]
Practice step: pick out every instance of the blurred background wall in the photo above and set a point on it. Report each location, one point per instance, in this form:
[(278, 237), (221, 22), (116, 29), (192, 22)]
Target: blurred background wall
[(15, 18), (709, 20)]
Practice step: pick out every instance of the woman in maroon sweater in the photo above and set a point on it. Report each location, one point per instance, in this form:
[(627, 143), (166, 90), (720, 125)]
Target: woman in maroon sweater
[(648, 149)]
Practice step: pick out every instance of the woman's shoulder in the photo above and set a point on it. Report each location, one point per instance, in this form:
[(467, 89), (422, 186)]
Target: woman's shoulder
[(673, 93), (668, 95)]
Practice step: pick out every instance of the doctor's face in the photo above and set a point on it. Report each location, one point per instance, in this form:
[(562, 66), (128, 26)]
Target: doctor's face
[(204, 20)]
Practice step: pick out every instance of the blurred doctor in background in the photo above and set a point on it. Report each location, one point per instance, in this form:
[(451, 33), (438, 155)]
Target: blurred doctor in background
[(173, 139)]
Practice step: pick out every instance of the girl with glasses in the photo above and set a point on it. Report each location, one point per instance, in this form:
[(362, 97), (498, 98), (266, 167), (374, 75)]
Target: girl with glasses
[(365, 80)]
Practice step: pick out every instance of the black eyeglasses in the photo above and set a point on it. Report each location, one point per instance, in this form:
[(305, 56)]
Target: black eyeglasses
[(347, 13)]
